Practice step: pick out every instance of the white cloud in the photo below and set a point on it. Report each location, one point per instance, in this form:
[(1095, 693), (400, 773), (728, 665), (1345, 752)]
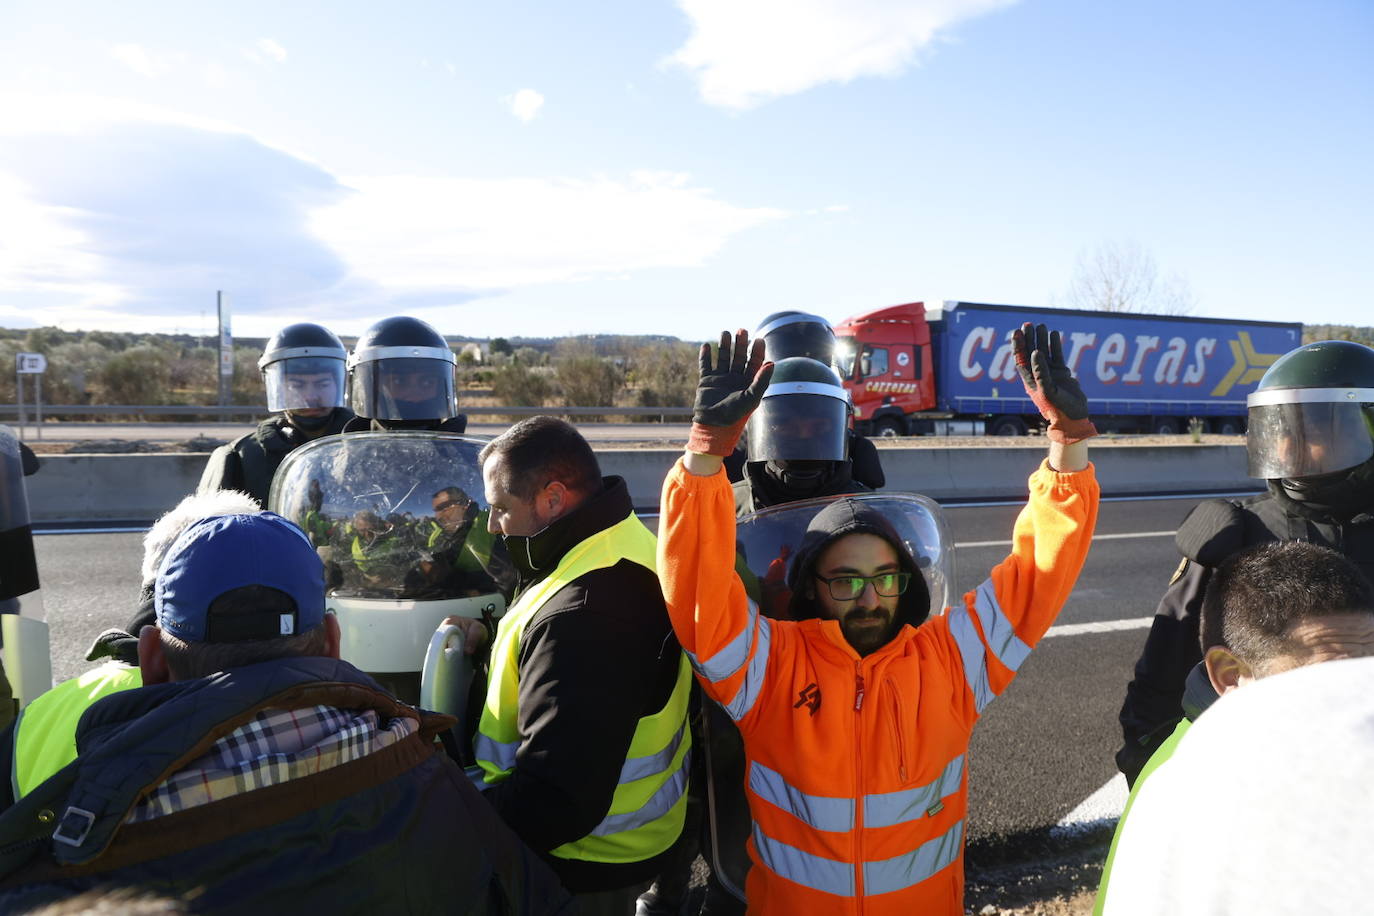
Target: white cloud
[(121, 215), (265, 51), (745, 52), (414, 234), (145, 62), (525, 104)]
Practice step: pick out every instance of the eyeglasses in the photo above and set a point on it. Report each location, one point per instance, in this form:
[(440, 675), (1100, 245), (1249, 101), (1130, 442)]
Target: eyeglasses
[(848, 588), (449, 504)]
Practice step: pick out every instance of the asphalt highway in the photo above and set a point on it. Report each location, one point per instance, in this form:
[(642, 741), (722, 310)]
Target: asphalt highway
[(1043, 748)]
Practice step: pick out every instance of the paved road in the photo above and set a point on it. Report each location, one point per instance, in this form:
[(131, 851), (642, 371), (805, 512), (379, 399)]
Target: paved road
[(1043, 748)]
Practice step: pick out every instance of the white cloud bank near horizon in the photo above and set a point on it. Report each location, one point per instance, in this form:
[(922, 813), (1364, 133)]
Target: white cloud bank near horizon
[(746, 52), (127, 216)]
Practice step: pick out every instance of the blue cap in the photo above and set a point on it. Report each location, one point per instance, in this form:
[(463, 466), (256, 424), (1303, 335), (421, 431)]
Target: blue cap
[(219, 554)]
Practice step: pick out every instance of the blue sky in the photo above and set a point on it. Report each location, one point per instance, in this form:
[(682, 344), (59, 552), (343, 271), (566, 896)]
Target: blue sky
[(673, 167)]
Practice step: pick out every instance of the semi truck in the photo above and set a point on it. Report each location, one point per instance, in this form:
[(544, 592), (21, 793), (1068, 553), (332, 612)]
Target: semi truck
[(948, 368)]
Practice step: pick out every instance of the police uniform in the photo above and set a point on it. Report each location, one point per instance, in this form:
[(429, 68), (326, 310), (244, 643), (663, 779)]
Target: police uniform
[(250, 461), (1311, 436)]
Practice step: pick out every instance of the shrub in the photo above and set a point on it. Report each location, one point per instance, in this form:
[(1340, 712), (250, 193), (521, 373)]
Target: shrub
[(518, 386)]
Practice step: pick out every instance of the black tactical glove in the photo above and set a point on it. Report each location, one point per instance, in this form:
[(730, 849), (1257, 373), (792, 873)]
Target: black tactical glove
[(727, 394), (1050, 384), (115, 644)]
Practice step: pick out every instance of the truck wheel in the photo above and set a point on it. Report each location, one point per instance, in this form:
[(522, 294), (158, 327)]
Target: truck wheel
[(1007, 426), (888, 427), (1227, 426), (1164, 426)]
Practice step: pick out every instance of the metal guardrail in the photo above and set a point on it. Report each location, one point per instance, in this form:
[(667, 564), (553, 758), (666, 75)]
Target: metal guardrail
[(258, 410)]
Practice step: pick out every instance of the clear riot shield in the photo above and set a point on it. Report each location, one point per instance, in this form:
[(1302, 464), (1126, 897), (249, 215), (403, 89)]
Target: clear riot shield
[(27, 665), (400, 520), (766, 542)]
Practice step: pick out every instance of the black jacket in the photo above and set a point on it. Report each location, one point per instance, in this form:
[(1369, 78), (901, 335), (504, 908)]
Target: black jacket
[(401, 830), (864, 464), (250, 461), (759, 489), (595, 658), (1213, 531)]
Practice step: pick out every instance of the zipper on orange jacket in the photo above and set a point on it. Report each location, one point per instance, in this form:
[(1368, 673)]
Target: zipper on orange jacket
[(897, 723), (858, 788)]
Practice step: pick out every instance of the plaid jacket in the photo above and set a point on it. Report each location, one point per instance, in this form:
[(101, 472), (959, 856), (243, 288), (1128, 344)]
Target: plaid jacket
[(276, 747)]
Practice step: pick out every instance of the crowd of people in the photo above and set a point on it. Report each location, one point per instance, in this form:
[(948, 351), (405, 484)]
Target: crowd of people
[(799, 719)]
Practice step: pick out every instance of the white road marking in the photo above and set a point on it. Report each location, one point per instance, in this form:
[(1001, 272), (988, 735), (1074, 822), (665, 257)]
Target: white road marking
[(1100, 626), (1124, 536), (1097, 810)]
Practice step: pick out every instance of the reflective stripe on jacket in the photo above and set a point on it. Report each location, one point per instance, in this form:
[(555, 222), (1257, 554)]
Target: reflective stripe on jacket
[(45, 735), (857, 766), (649, 802)]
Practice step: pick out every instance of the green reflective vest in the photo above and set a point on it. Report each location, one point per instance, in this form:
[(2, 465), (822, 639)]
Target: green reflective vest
[(649, 803), (478, 543), (45, 734), (1157, 759)]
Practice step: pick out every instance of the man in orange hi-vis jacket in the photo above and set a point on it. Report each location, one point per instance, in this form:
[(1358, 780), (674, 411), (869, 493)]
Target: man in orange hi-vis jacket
[(858, 792)]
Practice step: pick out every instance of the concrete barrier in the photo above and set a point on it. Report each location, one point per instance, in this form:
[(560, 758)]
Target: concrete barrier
[(138, 488)]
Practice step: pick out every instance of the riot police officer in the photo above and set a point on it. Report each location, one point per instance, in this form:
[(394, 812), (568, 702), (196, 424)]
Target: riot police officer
[(798, 439), (791, 333), (401, 376), (303, 373), (1311, 437)]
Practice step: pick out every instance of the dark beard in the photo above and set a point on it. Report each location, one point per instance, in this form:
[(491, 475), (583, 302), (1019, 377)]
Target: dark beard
[(867, 640)]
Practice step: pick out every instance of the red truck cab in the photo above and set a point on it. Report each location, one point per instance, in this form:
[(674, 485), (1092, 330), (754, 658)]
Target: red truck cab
[(885, 360)]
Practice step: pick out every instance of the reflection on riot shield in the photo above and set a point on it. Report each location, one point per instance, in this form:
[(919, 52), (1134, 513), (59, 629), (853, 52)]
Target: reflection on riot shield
[(401, 524), (26, 667), (767, 543)]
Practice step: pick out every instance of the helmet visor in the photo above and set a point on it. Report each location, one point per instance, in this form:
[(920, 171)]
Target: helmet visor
[(1309, 438), (302, 383), (407, 388), (799, 427), (798, 335)]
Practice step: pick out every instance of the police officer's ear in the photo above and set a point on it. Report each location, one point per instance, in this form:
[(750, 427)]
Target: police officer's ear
[(152, 662), (1225, 670)]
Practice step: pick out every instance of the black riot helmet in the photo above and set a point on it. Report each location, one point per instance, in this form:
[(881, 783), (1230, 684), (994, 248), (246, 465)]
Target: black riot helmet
[(804, 415), (787, 334), (303, 368), (402, 369), (1312, 425)]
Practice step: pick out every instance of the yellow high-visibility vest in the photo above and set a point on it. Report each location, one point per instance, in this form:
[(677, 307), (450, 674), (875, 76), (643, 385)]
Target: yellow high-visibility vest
[(649, 803), (45, 733)]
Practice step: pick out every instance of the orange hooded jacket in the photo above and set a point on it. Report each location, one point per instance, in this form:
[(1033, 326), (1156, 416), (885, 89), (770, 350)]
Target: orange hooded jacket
[(857, 768)]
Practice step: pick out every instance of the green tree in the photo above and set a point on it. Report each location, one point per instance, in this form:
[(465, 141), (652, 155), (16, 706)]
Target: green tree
[(500, 345), (520, 386), (664, 374), (585, 379), (247, 385), (73, 369), (139, 375)]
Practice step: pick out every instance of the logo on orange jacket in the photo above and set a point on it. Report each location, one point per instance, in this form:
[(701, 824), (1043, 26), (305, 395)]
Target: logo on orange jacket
[(810, 697)]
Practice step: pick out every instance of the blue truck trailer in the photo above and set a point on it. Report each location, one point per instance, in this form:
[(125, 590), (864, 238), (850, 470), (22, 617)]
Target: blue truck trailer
[(949, 368)]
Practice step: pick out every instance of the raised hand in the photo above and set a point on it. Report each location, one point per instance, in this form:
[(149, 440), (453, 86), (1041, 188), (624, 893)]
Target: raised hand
[(731, 387), (1050, 384)]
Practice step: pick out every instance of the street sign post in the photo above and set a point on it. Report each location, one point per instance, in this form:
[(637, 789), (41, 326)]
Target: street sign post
[(226, 351), (32, 364)]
